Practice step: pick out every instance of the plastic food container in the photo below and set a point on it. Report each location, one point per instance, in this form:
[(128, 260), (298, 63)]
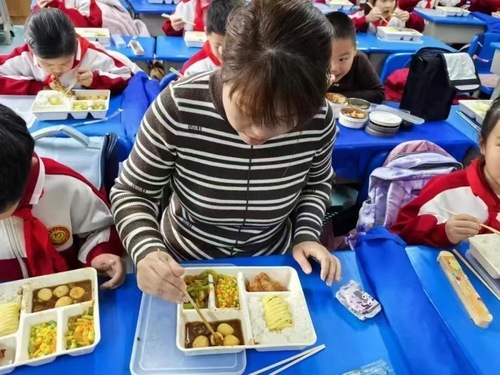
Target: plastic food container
[(54, 105), (95, 34), (383, 124), (25, 293), (399, 34), (347, 119), (195, 38), (337, 102), (250, 313), (359, 103), (339, 4), (475, 108), (484, 248), (452, 11)]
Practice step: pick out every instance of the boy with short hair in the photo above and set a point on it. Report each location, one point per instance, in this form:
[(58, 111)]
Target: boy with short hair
[(209, 57), (51, 218), (352, 74)]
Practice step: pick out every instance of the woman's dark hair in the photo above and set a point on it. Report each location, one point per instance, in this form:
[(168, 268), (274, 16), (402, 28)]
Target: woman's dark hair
[(490, 121), (277, 60), (16, 152), (50, 34)]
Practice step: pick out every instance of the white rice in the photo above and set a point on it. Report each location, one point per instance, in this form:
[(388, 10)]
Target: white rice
[(302, 330)]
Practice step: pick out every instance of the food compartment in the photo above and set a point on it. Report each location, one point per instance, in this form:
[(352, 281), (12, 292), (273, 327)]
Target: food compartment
[(280, 321), (50, 105), (484, 248), (61, 289), (98, 109), (10, 315), (270, 279), (80, 109), (98, 102), (7, 353), (194, 338), (80, 327), (40, 341), (200, 286)]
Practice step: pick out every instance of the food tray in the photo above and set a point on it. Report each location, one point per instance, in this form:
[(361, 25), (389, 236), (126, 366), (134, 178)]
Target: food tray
[(95, 34), (22, 292), (484, 248), (44, 111), (255, 334), (339, 4), (475, 109), (154, 351), (195, 38), (452, 11), (493, 283), (396, 34)]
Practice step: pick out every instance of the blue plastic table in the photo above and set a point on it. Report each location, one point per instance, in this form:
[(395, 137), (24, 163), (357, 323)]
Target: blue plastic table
[(368, 42), (144, 7), (147, 43), (479, 345), (174, 49), (450, 29), (349, 342)]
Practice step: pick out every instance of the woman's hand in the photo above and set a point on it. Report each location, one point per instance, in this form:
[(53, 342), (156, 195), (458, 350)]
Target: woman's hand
[(374, 15), (461, 227), (84, 77), (177, 23), (331, 270), (159, 274), (113, 266)]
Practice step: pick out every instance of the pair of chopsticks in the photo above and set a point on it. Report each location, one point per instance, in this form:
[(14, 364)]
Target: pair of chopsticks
[(165, 15), (383, 19), (491, 229), (290, 361), (75, 81), (217, 337)]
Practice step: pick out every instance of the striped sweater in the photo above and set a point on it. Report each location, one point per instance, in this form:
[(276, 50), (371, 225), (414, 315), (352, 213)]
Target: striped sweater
[(229, 198)]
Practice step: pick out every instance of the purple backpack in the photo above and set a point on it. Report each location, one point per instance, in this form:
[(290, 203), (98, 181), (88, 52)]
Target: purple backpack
[(405, 172)]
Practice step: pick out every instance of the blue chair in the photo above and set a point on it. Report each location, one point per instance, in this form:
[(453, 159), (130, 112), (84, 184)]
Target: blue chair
[(482, 53), (167, 79), (394, 62)]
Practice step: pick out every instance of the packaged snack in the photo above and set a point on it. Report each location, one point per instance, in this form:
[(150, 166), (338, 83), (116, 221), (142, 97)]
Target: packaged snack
[(379, 367), (357, 301)]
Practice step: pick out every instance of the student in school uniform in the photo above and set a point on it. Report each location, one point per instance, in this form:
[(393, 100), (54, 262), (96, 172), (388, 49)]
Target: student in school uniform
[(51, 218), (109, 14), (485, 6), (53, 52), (209, 56), (473, 193), (368, 19), (352, 74), (187, 13), (409, 5)]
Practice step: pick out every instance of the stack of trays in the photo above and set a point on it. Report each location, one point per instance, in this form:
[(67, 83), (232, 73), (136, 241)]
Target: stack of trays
[(95, 34), (383, 124), (195, 38), (339, 4), (452, 11), (395, 34)]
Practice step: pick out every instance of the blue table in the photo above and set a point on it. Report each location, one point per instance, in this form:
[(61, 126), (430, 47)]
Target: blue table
[(354, 148), (463, 126), (147, 43), (450, 29), (174, 49), (151, 14), (349, 342), (479, 345), (370, 43)]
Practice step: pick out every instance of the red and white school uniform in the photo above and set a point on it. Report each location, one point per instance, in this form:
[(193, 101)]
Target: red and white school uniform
[(20, 73), (202, 61), (109, 14), (359, 18), (191, 11), (485, 6), (61, 223), (422, 221)]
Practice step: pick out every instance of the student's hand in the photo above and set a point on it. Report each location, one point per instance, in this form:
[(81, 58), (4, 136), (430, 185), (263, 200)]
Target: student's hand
[(159, 274), (43, 3), (84, 77), (404, 16), (461, 227), (113, 266), (177, 23), (331, 270), (374, 15)]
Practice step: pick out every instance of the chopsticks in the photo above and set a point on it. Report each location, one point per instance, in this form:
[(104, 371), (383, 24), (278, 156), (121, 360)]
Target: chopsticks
[(172, 70), (75, 81), (290, 361), (491, 229), (165, 15), (383, 19), (467, 264), (215, 336)]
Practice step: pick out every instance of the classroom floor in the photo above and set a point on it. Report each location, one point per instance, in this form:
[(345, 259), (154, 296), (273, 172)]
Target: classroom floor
[(16, 41)]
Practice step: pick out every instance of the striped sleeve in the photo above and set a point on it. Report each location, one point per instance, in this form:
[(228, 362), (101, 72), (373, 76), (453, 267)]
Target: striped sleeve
[(136, 195), (315, 196)]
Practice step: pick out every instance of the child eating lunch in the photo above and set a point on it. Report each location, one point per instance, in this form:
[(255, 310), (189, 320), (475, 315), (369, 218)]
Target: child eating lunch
[(189, 15)]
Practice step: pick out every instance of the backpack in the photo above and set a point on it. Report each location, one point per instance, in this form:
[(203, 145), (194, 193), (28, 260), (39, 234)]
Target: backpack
[(405, 172), (434, 78)]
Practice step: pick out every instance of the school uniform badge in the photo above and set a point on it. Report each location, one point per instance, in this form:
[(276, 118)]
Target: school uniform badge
[(59, 235)]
